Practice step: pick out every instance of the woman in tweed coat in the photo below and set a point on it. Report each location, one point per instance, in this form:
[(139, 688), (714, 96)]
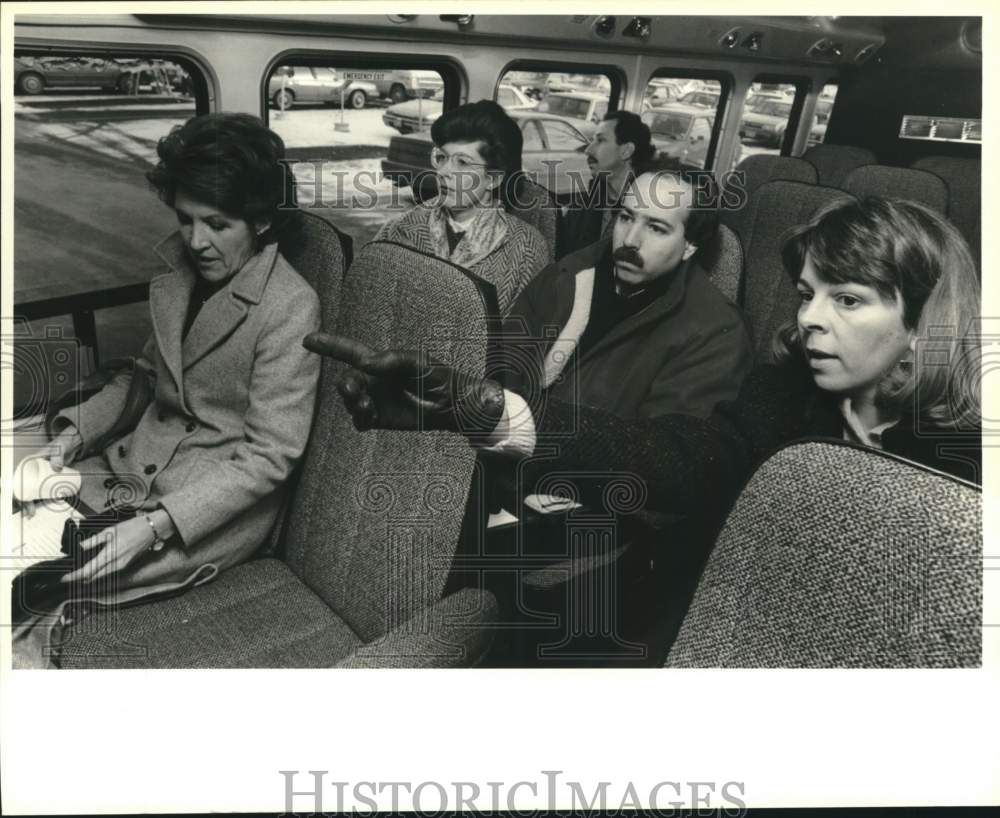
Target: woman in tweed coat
[(198, 482), (477, 160), (882, 353)]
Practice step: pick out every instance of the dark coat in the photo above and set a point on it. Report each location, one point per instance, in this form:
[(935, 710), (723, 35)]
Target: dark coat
[(689, 463), (684, 352)]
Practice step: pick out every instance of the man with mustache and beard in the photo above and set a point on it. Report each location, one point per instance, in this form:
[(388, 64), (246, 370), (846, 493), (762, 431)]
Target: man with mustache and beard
[(619, 150), (638, 328)]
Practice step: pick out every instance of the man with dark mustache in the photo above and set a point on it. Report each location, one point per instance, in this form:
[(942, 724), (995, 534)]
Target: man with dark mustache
[(632, 324), (620, 148)]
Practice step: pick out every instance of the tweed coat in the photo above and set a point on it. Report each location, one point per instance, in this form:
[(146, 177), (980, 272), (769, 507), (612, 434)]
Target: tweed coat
[(509, 266), (684, 352), (233, 407)]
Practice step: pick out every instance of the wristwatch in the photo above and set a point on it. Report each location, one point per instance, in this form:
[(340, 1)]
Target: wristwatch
[(158, 541)]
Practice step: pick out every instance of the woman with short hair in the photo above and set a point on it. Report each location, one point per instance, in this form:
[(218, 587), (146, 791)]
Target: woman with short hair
[(476, 156), (197, 485)]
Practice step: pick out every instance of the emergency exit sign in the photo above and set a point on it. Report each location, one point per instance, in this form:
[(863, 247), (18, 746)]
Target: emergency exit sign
[(370, 76)]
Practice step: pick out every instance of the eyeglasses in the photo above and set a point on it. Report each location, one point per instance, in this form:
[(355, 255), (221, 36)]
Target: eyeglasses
[(459, 161)]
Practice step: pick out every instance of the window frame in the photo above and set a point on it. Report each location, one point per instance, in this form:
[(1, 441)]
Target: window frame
[(726, 85)]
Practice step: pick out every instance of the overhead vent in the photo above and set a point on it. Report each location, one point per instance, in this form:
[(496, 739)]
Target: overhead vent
[(463, 21), (639, 27), (865, 53), (401, 18), (972, 36), (730, 38), (826, 49), (605, 26), (753, 41)]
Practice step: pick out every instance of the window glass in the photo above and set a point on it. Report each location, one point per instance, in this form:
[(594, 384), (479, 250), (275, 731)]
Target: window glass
[(680, 113), (766, 112), (85, 218), (532, 138), (563, 137), (821, 114), (569, 107), (357, 138)]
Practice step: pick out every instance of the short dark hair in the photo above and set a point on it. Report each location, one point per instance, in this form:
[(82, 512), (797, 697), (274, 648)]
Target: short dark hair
[(487, 122), (629, 127), (702, 221), (232, 162)]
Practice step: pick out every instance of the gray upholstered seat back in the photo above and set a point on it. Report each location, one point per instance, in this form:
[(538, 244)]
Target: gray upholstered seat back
[(964, 180), (756, 170), (836, 556), (321, 254), (770, 299), (536, 206), (898, 183), (834, 162), (722, 259), (377, 515)]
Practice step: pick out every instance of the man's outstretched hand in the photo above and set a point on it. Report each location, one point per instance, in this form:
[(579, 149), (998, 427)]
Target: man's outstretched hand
[(401, 389)]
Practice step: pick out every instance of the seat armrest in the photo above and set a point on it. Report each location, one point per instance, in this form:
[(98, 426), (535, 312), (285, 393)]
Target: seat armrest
[(453, 632)]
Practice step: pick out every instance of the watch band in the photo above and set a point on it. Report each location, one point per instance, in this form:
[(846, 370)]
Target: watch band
[(158, 541)]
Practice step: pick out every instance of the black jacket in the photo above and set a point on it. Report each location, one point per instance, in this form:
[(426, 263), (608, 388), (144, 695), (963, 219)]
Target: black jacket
[(688, 463)]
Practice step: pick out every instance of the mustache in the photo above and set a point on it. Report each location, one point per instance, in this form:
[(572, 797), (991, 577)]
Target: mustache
[(628, 255)]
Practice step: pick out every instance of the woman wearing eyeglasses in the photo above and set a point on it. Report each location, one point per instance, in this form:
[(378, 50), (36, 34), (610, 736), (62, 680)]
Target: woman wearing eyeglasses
[(477, 162)]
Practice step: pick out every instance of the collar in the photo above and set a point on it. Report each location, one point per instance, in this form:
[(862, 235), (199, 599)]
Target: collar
[(248, 282), (855, 431)]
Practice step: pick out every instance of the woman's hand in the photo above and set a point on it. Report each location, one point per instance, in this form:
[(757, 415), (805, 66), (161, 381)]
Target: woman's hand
[(404, 390), (122, 544), (64, 448)]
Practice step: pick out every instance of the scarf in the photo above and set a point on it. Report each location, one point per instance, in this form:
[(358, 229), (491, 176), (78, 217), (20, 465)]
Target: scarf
[(483, 233)]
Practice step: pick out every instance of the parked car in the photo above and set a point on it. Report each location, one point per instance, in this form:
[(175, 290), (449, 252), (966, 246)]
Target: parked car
[(684, 132), (703, 99), (553, 155), (418, 114), (766, 122), (581, 109), (33, 75), (303, 84), (400, 86), (821, 116), (660, 92)]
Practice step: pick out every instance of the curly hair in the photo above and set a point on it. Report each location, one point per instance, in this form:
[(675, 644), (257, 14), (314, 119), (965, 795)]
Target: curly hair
[(232, 162), (486, 122), (905, 251)]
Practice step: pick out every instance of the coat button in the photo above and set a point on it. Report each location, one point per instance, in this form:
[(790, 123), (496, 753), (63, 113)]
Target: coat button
[(109, 482), (190, 427), (150, 468), (121, 451)]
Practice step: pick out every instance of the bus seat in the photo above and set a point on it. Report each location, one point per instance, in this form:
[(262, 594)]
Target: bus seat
[(840, 556), (964, 179), (898, 183), (834, 162), (769, 298), (757, 170), (722, 259), (374, 522), (538, 207), (321, 253)]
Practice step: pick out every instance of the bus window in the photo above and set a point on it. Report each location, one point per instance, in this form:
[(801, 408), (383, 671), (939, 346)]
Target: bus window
[(681, 113), (765, 117), (565, 108), (357, 137), (85, 133), (821, 114)]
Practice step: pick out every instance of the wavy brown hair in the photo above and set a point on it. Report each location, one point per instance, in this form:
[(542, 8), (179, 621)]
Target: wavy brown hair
[(904, 251)]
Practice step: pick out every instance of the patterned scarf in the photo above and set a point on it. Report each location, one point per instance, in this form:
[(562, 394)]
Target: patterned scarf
[(483, 234)]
